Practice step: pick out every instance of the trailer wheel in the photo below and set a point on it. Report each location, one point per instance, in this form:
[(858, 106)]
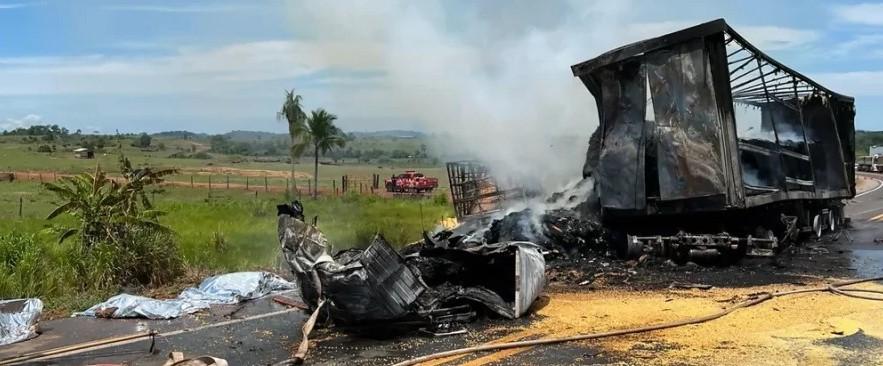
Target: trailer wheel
[(817, 226), (832, 220)]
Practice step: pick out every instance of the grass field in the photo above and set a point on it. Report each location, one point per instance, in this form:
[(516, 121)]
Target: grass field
[(217, 230), (221, 169)]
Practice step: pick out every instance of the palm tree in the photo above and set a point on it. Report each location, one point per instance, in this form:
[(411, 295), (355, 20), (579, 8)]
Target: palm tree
[(293, 113), (321, 133)]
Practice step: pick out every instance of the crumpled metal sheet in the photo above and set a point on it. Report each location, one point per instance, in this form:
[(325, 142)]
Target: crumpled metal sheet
[(230, 288), (530, 275), (303, 245), (375, 285), (378, 284), (18, 319)]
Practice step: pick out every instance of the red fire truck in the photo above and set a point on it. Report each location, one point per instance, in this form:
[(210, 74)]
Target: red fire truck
[(411, 181)]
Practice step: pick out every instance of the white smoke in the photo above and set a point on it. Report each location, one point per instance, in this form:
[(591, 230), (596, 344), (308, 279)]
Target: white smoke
[(491, 81)]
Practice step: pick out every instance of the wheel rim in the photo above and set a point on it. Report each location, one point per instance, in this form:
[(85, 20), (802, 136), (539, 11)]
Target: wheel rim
[(817, 225)]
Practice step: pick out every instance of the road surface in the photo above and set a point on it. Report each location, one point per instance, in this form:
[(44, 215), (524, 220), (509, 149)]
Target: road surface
[(261, 332)]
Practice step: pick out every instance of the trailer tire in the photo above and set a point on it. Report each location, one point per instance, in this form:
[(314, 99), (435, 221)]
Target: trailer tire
[(832, 220), (817, 226)]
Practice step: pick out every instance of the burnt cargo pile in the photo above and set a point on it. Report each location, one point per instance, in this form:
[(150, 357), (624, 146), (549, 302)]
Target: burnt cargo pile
[(428, 285), (707, 146)]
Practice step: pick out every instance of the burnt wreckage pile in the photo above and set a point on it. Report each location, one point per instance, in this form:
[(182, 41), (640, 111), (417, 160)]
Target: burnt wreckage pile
[(706, 148), (428, 284)]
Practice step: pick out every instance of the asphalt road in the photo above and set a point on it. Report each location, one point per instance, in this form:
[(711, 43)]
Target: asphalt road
[(261, 332)]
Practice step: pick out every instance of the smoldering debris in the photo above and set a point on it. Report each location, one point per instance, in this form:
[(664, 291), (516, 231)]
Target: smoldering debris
[(430, 284), (565, 224)]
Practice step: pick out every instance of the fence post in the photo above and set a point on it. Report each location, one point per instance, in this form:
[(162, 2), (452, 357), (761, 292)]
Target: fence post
[(20, 204), (210, 182), (309, 186), (191, 181), (246, 182), (334, 186), (287, 187), (41, 177), (266, 187), (228, 181), (360, 187)]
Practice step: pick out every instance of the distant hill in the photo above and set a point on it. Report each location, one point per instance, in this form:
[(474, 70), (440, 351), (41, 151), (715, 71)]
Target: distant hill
[(389, 133), (180, 135), (246, 136), (864, 140)]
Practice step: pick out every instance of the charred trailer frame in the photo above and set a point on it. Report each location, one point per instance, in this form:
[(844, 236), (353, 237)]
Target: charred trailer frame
[(474, 191), (701, 132)]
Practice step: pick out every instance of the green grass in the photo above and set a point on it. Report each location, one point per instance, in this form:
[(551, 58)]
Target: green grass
[(16, 156), (217, 231)]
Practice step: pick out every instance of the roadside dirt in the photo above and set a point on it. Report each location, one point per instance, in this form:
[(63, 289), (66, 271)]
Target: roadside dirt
[(864, 184)]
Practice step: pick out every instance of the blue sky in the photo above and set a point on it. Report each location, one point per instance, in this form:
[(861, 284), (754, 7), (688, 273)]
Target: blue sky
[(448, 65)]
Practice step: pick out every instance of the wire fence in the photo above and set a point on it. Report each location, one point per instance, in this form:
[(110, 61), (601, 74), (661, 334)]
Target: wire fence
[(345, 184)]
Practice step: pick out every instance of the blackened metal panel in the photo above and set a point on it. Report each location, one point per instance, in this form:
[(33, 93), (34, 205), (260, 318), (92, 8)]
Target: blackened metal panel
[(717, 59), (621, 163), (377, 285), (796, 163), (844, 114), (688, 125), (824, 144)]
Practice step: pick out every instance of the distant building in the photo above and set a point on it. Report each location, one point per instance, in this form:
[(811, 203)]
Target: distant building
[(875, 150), (84, 153)]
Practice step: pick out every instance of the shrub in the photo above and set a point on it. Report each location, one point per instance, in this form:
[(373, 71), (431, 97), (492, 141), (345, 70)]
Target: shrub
[(44, 149), (30, 267), (119, 237), (440, 199)]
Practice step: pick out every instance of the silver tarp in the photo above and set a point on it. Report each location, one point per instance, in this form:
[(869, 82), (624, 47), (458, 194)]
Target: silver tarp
[(18, 319), (230, 288)]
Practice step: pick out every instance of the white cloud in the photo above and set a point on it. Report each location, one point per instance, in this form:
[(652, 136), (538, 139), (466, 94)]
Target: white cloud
[(777, 38), (189, 70), (5, 6), (767, 38), (189, 8), (862, 46), (855, 83), (863, 13), (26, 121)]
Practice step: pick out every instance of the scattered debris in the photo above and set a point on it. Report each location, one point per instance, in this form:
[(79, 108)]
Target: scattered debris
[(287, 301), (18, 319), (230, 288), (177, 359), (429, 282), (684, 285)]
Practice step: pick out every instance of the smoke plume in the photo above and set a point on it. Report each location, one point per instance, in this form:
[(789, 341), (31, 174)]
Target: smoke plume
[(491, 81)]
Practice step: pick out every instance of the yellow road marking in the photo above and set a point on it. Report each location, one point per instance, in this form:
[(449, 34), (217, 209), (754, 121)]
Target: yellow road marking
[(876, 218)]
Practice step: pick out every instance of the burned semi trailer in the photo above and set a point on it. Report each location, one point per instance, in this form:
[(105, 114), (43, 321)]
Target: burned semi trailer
[(708, 146)]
